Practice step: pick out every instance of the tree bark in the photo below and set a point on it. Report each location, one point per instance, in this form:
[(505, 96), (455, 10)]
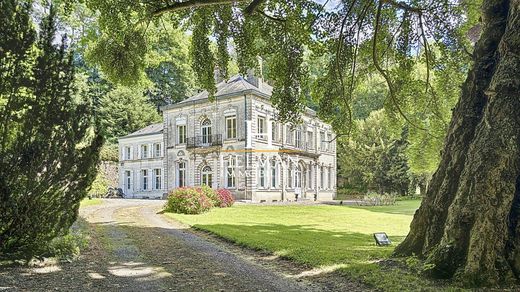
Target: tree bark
[(468, 221)]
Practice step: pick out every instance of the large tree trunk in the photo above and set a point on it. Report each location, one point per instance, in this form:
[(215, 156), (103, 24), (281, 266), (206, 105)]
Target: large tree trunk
[(467, 224)]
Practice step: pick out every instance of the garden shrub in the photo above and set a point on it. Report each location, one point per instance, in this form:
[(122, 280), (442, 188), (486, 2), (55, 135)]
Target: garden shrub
[(225, 198), (210, 193), (67, 247), (188, 201), (373, 199)]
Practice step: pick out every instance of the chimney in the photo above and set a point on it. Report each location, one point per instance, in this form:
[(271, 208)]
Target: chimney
[(218, 75), (256, 79)]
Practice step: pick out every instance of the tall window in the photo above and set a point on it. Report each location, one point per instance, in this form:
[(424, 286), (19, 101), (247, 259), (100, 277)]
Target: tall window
[(322, 140), (181, 174), (274, 131), (231, 127), (261, 128), (128, 179), (144, 179), (327, 138), (329, 179), (298, 139), (322, 177), (261, 175), (230, 172), (298, 177), (206, 131), (309, 178), (310, 139), (273, 174), (290, 134), (157, 150), (128, 152), (157, 179), (144, 151), (290, 176), (207, 176), (181, 134)]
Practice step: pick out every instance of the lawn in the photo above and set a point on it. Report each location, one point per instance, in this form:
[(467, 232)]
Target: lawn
[(325, 237), (94, 201)]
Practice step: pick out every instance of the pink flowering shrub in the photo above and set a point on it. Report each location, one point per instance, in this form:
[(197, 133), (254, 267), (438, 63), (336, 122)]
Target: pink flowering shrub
[(225, 199), (188, 201)]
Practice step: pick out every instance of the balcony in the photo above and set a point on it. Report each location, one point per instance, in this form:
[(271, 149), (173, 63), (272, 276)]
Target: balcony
[(204, 141), (301, 148)]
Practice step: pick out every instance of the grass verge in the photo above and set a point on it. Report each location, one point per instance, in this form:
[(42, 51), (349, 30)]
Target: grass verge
[(90, 202)]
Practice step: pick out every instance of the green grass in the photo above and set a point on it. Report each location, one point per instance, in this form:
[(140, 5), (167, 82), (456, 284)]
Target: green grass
[(327, 237), (86, 202)]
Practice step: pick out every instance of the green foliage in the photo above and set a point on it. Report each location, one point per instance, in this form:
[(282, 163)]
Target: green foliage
[(371, 159), (124, 110), (121, 59), (67, 247), (48, 146), (99, 186), (203, 60), (110, 152), (189, 200)]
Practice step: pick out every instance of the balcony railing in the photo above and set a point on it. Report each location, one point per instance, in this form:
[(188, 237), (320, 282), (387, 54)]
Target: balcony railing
[(204, 141)]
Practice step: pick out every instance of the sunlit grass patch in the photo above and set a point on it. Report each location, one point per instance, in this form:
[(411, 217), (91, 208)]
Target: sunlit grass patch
[(90, 202)]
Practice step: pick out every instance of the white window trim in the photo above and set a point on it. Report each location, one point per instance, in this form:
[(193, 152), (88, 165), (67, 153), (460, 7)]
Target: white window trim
[(228, 118)]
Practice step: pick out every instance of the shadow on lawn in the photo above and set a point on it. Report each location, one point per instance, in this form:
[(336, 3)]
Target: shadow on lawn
[(304, 243), (126, 256)]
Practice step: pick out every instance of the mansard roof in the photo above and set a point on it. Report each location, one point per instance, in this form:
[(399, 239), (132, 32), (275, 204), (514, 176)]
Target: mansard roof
[(148, 130), (235, 86)]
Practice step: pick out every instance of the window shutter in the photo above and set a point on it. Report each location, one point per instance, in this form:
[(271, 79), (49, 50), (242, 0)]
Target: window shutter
[(139, 152)]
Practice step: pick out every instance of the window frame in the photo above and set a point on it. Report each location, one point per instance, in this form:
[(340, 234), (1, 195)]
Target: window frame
[(181, 174), (144, 151), (157, 179), (261, 131), (262, 176), (233, 128), (274, 174), (230, 172), (181, 134), (144, 179), (128, 179), (157, 150), (127, 153)]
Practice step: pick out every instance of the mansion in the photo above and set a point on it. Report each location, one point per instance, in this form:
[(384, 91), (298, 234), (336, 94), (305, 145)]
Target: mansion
[(233, 142)]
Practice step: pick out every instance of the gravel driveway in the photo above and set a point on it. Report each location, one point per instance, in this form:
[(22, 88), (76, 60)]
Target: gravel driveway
[(133, 248)]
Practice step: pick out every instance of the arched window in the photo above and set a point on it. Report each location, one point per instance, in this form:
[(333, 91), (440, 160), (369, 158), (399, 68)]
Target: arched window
[(262, 176), (206, 131), (230, 172), (298, 177), (181, 174), (207, 176), (290, 176), (274, 175)]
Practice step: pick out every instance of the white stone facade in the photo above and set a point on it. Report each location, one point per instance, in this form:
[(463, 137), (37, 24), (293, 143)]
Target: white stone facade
[(236, 142), (141, 163)]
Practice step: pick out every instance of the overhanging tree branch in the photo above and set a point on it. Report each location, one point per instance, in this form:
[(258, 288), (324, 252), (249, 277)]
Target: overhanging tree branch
[(177, 6)]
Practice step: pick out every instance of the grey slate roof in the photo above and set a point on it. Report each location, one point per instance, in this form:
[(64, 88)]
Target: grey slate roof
[(148, 130), (235, 84)]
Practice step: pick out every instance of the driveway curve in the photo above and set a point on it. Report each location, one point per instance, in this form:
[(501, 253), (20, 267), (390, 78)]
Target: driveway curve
[(134, 248)]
